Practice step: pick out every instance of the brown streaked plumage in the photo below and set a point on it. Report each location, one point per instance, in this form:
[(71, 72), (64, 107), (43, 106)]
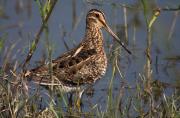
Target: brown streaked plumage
[(82, 65)]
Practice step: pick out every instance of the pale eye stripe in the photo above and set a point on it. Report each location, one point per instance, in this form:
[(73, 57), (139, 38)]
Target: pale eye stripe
[(92, 17)]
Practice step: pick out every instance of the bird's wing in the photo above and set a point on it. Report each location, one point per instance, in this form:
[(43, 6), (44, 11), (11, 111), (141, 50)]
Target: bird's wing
[(64, 67), (44, 67)]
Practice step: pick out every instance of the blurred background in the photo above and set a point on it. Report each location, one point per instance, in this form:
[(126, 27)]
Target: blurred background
[(20, 21)]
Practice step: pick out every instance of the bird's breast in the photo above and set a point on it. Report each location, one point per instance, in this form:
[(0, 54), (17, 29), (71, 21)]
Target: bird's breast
[(101, 64)]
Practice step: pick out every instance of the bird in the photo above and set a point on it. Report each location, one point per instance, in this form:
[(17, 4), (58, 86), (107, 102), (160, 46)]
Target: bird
[(81, 66)]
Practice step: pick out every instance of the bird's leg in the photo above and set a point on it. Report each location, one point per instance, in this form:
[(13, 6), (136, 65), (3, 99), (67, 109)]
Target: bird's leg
[(78, 101), (70, 101)]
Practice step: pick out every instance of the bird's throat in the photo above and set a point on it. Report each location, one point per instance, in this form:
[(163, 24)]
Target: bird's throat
[(94, 38)]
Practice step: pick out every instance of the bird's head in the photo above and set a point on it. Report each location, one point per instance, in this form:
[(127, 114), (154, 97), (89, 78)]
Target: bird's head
[(97, 18)]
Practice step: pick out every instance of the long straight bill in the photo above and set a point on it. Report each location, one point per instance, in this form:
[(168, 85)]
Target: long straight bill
[(117, 39)]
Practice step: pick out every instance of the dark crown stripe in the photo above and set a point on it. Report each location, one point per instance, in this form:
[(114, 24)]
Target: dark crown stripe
[(96, 10)]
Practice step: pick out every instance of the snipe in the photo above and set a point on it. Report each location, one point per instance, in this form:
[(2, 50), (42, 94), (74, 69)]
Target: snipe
[(83, 65)]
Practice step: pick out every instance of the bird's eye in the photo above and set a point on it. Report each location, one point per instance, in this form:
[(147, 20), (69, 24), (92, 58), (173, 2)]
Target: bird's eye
[(97, 15)]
